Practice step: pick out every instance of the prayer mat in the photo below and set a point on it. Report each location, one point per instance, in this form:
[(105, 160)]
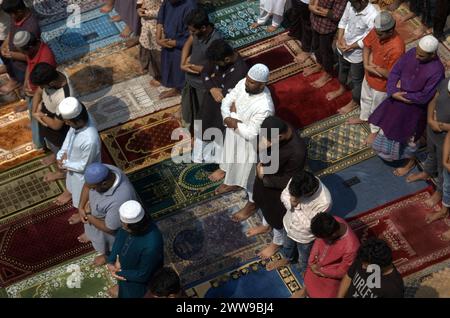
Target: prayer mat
[(423, 284), (251, 280), (61, 281), (38, 239), (127, 100), (444, 55), (334, 145), (410, 30), (15, 140), (24, 186), (300, 104), (97, 30), (9, 98), (367, 185), (169, 185), (447, 42), (202, 240), (95, 74), (144, 141), (234, 24), (401, 223), (280, 67)]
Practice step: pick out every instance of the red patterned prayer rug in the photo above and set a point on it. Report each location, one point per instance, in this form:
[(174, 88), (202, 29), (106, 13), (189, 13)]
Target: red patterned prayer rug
[(36, 240), (144, 141), (401, 223), (300, 104)]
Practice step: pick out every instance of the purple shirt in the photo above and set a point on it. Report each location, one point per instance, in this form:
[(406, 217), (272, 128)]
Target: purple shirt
[(400, 121)]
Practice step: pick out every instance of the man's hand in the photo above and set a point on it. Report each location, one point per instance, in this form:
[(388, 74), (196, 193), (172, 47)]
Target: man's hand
[(189, 68), (5, 51), (216, 93), (341, 45), (141, 12), (166, 43), (400, 97), (83, 215), (232, 122), (233, 108), (315, 269), (434, 125), (322, 11), (38, 116), (260, 170), (60, 162), (372, 69)]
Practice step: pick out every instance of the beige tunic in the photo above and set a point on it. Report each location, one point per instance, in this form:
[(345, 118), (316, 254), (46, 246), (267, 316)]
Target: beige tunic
[(148, 31)]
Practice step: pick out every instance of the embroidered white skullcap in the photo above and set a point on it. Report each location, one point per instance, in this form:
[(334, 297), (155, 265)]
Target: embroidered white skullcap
[(259, 72), (69, 108), (429, 44), (131, 212), (21, 39)]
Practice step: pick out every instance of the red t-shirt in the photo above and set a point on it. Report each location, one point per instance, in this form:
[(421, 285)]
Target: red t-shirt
[(44, 55)]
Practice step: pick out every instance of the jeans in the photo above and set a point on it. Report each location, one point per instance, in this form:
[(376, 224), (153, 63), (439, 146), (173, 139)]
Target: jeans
[(38, 141), (446, 188), (323, 50), (356, 72), (296, 252)]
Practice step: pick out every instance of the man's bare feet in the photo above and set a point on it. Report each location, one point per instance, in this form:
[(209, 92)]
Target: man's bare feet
[(63, 198), (74, 219), (334, 94), (107, 8), (418, 176), (126, 32), (321, 81), (155, 83), (403, 171), (114, 291), (100, 260), (3, 69), (169, 93), (223, 188), (83, 238), (348, 108), (435, 198), (271, 28), (302, 57), (243, 214), (116, 18), (47, 161), (434, 216), (355, 121), (445, 236), (371, 138), (316, 68), (10, 86), (53, 176), (256, 230), (301, 293), (217, 175), (255, 25), (269, 251), (277, 264)]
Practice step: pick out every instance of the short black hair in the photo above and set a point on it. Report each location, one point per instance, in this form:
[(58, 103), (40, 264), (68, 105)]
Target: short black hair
[(218, 50), (273, 122), (142, 227), (324, 225), (303, 183), (43, 74), (12, 6), (197, 18), (375, 251), (165, 282)]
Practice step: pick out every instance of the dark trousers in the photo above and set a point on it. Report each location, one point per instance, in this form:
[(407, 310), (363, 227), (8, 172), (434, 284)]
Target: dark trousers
[(323, 50), (440, 17), (356, 73), (300, 24)]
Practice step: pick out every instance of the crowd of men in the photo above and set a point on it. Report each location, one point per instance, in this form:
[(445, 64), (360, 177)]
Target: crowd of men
[(228, 109)]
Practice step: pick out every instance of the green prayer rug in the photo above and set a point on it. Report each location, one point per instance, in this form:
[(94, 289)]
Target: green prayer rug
[(234, 23), (334, 145), (78, 278), (168, 186)]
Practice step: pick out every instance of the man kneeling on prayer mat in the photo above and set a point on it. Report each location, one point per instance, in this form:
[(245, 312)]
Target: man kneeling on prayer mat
[(81, 147), (291, 153), (105, 189), (243, 111)]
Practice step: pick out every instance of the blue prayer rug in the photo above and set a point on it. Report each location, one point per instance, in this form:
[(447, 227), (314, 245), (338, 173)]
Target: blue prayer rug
[(97, 30)]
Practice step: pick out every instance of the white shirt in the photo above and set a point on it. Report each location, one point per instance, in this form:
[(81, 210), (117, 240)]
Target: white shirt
[(297, 223), (356, 26), (4, 24)]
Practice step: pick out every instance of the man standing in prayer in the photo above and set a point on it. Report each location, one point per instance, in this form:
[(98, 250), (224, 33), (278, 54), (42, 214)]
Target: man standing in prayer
[(193, 60), (325, 16), (382, 48), (438, 119), (137, 252), (224, 70), (268, 8), (171, 34), (300, 28), (105, 189), (267, 188), (127, 10), (355, 24), (243, 111), (402, 117), (81, 147), (332, 254)]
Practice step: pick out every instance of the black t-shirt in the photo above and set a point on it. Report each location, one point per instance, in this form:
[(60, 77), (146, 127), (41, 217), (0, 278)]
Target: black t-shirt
[(362, 285)]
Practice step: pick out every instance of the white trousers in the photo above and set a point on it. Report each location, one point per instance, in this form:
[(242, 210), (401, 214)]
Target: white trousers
[(206, 151), (264, 17), (278, 235), (370, 100)]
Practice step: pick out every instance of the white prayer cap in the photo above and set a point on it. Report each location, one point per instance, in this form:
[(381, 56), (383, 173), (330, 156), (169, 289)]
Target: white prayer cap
[(70, 108), (131, 212), (429, 44), (21, 39), (259, 72)]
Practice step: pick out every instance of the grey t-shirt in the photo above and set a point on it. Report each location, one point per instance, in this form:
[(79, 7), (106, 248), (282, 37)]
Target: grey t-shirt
[(442, 113)]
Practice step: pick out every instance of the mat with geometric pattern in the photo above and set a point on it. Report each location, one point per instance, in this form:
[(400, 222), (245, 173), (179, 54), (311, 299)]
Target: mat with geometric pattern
[(423, 284)]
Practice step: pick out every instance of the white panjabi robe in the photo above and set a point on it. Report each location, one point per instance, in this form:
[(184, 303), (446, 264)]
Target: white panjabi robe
[(83, 147), (273, 6), (239, 152)]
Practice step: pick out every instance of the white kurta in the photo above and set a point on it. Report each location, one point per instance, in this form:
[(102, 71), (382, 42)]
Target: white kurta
[(273, 6), (239, 152), (83, 148)]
